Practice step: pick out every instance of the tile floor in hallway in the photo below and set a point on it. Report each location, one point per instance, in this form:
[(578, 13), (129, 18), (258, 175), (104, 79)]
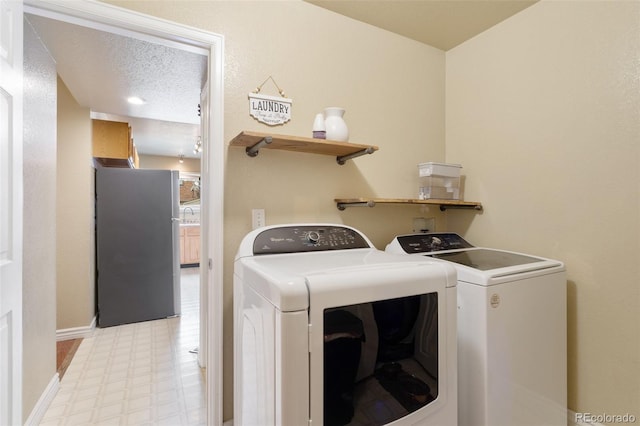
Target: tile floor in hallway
[(137, 374)]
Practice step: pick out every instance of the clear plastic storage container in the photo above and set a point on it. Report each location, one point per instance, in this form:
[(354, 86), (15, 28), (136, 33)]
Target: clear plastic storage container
[(439, 181)]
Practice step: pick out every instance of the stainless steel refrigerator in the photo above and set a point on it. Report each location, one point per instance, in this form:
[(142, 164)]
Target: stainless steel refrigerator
[(137, 245)]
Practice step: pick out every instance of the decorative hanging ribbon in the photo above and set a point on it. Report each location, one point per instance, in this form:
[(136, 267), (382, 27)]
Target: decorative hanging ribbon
[(271, 110), (274, 83)]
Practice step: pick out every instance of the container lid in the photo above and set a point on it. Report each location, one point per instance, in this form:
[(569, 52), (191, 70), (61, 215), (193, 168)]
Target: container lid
[(432, 163), (439, 169)]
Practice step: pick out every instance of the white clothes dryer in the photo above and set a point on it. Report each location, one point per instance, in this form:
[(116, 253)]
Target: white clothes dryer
[(512, 331), (331, 331)]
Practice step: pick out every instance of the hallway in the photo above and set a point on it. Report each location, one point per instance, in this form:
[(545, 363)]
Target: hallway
[(137, 374)]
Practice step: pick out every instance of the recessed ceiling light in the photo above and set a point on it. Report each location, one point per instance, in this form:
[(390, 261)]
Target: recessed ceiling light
[(135, 100)]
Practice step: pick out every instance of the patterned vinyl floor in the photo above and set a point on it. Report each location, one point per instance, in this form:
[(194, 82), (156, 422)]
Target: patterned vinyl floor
[(137, 374)]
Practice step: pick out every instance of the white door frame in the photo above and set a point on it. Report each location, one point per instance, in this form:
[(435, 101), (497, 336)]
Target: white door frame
[(102, 16)]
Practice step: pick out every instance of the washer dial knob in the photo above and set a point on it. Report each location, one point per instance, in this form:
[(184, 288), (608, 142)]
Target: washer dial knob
[(313, 237)]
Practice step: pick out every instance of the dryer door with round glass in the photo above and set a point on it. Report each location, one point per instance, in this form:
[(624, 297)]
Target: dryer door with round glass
[(379, 345)]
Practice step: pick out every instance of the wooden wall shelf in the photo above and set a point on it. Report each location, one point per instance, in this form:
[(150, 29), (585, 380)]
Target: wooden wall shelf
[(254, 141), (343, 203)]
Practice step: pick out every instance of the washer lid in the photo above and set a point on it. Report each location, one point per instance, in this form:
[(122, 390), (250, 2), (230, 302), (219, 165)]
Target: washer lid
[(476, 265), (487, 267), (486, 259)]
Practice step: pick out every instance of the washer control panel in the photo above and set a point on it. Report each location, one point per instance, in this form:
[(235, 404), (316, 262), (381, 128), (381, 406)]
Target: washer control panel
[(427, 243), (300, 239)]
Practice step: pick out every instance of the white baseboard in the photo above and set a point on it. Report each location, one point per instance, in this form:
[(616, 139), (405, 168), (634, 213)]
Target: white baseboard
[(76, 332), (38, 412)]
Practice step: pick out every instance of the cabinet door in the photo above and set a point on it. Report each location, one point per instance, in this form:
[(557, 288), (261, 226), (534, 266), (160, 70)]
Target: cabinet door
[(192, 244), (182, 246), (111, 139)]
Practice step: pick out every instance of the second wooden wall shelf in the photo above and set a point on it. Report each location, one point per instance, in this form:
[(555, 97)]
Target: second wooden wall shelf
[(343, 203), (254, 141)]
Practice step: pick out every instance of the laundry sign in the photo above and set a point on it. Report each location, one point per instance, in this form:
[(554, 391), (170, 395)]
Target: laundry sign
[(271, 110)]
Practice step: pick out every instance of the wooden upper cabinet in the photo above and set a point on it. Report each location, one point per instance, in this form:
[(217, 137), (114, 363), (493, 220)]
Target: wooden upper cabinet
[(112, 143)]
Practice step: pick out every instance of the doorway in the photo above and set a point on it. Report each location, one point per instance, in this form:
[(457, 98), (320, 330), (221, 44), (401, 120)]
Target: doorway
[(107, 18)]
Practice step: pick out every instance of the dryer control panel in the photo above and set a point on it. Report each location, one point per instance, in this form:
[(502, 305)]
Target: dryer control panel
[(427, 243), (300, 239)]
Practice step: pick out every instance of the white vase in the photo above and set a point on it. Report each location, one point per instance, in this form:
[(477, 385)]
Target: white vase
[(335, 126)]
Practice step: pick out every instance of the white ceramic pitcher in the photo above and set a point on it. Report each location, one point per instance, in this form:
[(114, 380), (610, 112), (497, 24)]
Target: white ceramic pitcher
[(335, 126)]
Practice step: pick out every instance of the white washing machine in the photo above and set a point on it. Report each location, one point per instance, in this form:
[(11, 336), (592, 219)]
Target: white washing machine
[(512, 331), (331, 331)]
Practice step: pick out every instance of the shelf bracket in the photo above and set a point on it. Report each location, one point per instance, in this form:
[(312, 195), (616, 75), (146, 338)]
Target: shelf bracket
[(444, 207), (252, 151), (344, 158), (369, 203)]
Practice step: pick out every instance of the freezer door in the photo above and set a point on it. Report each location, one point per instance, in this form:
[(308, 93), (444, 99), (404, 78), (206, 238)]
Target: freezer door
[(135, 245)]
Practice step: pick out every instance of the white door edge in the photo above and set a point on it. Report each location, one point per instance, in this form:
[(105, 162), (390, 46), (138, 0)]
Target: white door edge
[(11, 211)]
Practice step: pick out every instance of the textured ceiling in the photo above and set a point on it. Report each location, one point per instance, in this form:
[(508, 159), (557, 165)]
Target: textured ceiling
[(102, 69)]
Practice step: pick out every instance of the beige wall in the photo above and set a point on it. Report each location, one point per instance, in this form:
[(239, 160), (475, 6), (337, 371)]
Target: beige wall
[(392, 89), (39, 267), (169, 163), (188, 166), (543, 111), (75, 225)]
